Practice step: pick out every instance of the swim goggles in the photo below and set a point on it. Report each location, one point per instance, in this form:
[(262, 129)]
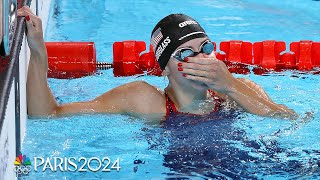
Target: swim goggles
[(206, 47)]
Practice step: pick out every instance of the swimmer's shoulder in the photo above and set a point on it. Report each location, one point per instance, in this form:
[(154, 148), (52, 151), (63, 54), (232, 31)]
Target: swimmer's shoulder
[(144, 98), (137, 98), (142, 87)]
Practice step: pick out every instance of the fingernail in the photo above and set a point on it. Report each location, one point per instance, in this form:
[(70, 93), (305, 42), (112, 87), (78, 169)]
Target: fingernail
[(180, 69), (180, 64), (184, 75), (27, 18), (185, 59)]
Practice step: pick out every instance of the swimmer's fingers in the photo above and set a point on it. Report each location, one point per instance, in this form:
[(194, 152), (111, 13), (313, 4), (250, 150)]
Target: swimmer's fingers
[(292, 114), (204, 64), (204, 72), (197, 66), (210, 71), (25, 8), (198, 78), (202, 60), (211, 83), (25, 11), (34, 30), (33, 21), (288, 113)]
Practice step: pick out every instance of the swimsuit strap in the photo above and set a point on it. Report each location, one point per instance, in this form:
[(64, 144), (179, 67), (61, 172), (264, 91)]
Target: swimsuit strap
[(218, 101), (171, 108)]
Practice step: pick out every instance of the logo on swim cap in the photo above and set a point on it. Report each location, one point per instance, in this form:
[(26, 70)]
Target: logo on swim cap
[(156, 38), (185, 23), (162, 47)]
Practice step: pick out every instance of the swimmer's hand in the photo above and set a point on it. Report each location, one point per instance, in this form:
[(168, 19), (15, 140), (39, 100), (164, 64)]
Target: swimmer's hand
[(209, 70), (34, 30), (284, 113), (308, 116), (247, 94)]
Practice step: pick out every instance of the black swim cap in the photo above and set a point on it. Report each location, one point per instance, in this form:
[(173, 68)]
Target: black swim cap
[(170, 33)]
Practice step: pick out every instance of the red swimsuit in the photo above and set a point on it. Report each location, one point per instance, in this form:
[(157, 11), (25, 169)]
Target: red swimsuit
[(171, 108)]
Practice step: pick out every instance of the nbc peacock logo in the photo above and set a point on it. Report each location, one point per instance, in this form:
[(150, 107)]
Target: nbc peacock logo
[(22, 165)]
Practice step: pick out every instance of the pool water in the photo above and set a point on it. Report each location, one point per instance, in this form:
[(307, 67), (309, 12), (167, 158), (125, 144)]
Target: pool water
[(226, 146)]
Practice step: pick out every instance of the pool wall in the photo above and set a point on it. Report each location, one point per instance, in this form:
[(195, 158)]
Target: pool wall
[(16, 110)]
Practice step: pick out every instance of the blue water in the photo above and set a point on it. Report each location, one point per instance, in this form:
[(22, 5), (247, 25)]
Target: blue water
[(226, 146)]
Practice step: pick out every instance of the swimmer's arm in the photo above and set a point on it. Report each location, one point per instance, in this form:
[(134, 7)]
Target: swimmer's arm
[(127, 99), (113, 101), (253, 99), (137, 99), (40, 100)]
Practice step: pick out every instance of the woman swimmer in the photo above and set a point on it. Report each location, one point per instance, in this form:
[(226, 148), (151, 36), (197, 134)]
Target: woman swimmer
[(198, 82)]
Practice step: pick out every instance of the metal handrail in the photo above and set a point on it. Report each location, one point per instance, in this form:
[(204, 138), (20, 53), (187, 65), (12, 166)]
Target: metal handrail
[(12, 70), (8, 11)]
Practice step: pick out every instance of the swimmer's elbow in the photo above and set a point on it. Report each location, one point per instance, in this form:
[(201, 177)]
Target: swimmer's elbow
[(52, 112), (41, 114)]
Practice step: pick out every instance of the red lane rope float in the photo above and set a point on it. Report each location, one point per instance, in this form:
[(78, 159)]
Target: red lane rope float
[(78, 59), (128, 59), (73, 59)]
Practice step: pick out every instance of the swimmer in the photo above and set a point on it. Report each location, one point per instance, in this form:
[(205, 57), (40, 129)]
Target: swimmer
[(198, 82)]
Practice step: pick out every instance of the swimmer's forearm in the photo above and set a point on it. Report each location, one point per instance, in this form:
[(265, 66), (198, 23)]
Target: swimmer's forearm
[(40, 100), (253, 101)]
